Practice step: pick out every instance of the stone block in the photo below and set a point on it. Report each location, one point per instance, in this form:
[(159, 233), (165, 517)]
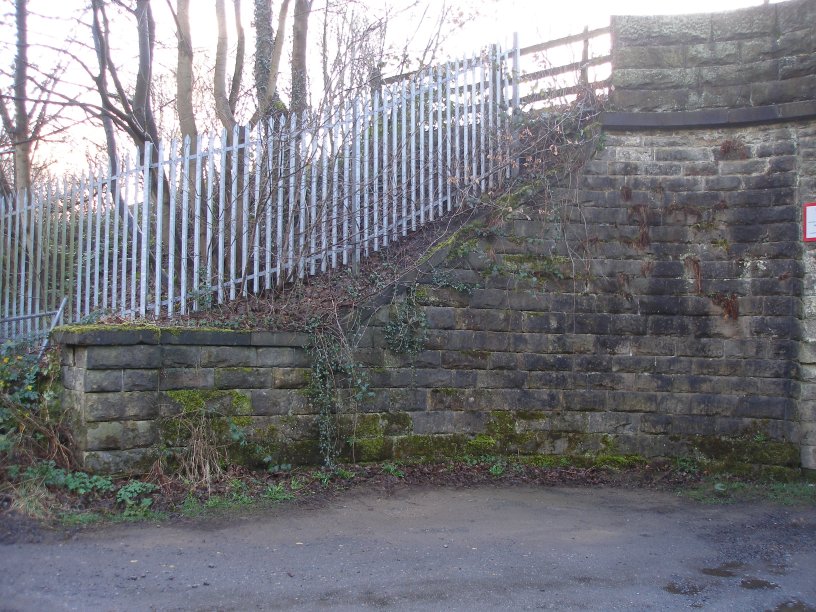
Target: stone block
[(799, 15), (228, 356), (277, 339), (135, 460), (748, 23), (67, 356), (434, 423), (657, 56), (763, 407), (206, 337), (613, 422), (584, 401), (505, 361), (466, 359), (554, 380), (106, 336), (120, 435), (128, 405), (501, 379), (96, 381), (808, 434), (808, 454), (746, 73), (661, 30), (397, 400), (289, 378), (140, 380), (186, 378), (488, 319), (242, 378), (181, 356), (281, 357), (788, 90), (456, 340), (124, 357), (440, 317), (700, 169), (713, 54), (72, 378), (270, 402), (652, 79)]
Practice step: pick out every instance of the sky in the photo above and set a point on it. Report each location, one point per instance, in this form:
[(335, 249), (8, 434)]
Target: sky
[(482, 22)]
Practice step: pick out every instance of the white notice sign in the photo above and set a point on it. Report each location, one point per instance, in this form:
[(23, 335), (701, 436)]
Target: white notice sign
[(810, 222)]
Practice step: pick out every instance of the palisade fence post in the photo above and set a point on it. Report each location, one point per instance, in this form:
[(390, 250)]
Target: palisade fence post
[(256, 222), (514, 127), (145, 230), (301, 169), (121, 299), (245, 189), (585, 58), (171, 231), (355, 187), (365, 132), (159, 213)]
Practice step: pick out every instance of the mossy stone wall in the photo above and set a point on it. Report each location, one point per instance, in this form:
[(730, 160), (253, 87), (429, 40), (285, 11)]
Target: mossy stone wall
[(661, 305)]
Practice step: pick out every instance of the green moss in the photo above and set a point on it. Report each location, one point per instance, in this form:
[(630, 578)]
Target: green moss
[(463, 234), (546, 461), (81, 328), (361, 425), (502, 426), (481, 445), (530, 415), (617, 461), (371, 449), (537, 266), (462, 249), (749, 450), (429, 447), (397, 423), (502, 423)]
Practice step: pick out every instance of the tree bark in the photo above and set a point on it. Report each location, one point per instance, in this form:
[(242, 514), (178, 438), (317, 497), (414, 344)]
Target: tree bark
[(184, 74), (222, 102), (300, 28), (20, 133), (268, 67)]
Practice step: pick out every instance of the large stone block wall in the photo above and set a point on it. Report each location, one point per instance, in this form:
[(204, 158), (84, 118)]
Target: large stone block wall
[(663, 305), (751, 57), (655, 309), (120, 382)]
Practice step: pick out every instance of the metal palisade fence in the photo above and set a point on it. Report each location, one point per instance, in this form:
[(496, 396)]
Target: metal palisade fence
[(199, 222)]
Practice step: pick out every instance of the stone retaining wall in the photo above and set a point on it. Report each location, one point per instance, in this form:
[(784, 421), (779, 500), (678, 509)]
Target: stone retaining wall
[(751, 57), (663, 305)]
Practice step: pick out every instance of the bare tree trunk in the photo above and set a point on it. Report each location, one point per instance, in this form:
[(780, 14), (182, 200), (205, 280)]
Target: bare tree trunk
[(300, 29), (267, 67), (184, 98), (184, 74), (21, 136), (222, 102)]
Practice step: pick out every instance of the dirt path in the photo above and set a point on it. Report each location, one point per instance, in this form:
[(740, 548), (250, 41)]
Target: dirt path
[(436, 548)]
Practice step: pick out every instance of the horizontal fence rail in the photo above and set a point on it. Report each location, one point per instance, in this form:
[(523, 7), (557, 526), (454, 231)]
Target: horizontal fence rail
[(204, 221)]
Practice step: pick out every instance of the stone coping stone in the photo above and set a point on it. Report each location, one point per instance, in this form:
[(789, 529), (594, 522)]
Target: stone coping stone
[(774, 113), (105, 335)]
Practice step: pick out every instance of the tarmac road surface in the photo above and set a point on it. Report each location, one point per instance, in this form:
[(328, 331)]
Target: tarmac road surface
[(484, 548)]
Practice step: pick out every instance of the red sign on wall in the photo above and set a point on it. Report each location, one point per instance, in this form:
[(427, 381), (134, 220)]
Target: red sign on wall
[(809, 222)]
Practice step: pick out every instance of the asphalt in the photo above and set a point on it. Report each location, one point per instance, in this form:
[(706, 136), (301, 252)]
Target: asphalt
[(486, 548)]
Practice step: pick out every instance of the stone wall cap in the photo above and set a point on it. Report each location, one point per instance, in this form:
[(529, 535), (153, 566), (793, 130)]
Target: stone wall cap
[(716, 117)]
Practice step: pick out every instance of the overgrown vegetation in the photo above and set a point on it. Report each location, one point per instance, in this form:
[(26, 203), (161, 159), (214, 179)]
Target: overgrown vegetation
[(407, 330), (335, 380)]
